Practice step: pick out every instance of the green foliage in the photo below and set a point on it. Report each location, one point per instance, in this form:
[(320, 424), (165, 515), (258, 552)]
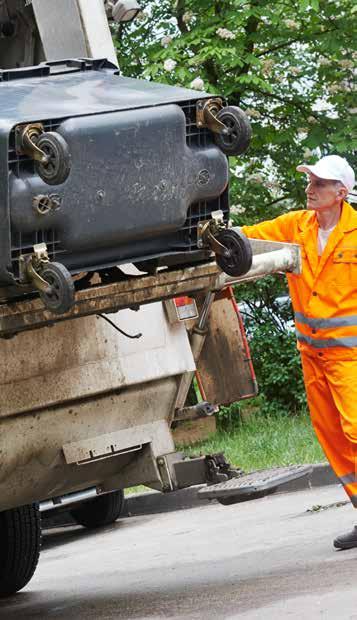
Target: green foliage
[(264, 441), (229, 418), (289, 63), (278, 370), (268, 320)]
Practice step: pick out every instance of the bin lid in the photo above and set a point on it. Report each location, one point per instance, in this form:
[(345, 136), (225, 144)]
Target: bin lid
[(63, 89)]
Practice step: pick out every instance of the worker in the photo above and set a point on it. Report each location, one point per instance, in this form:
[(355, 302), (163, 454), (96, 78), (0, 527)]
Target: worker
[(324, 299)]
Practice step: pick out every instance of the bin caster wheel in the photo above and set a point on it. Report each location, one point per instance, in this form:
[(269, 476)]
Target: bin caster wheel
[(236, 139), (240, 256), (60, 298), (56, 169)]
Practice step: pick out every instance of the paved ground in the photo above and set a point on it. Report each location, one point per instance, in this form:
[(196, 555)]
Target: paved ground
[(271, 558)]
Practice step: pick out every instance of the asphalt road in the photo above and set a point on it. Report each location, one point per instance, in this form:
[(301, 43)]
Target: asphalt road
[(271, 558)]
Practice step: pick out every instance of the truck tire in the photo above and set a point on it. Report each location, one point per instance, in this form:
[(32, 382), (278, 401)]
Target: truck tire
[(100, 511), (20, 544)]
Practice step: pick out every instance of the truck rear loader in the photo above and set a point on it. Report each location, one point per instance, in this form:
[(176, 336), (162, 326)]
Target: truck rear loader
[(113, 203)]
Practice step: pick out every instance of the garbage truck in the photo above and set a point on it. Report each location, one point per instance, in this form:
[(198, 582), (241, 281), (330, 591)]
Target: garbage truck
[(116, 266)]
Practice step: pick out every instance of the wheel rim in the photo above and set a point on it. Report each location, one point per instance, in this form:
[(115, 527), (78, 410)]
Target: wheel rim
[(235, 253), (50, 167), (55, 296), (239, 260), (232, 138)]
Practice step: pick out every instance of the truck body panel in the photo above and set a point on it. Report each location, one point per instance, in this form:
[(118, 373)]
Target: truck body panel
[(81, 358), (118, 434)]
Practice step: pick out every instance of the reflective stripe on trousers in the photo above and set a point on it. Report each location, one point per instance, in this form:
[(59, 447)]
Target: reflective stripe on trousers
[(326, 343)]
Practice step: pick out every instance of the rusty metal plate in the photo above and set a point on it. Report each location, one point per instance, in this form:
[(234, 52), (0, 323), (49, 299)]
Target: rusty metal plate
[(225, 370), (31, 314)]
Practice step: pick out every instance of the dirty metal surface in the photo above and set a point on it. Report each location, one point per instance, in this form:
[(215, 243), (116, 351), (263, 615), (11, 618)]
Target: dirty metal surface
[(79, 359), (30, 314), (224, 367), (108, 444), (34, 465), (256, 481)]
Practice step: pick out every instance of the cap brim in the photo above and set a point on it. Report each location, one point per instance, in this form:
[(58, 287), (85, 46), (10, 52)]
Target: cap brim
[(305, 168), (316, 171)]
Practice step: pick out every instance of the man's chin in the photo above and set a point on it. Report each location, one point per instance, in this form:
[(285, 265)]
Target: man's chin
[(311, 205)]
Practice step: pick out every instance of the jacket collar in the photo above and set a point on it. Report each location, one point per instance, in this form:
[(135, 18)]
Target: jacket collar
[(348, 219), (346, 223), (308, 226)]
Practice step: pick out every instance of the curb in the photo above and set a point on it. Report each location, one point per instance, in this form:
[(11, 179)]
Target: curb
[(155, 502)]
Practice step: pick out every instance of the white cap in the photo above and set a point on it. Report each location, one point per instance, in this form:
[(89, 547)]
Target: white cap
[(332, 167)]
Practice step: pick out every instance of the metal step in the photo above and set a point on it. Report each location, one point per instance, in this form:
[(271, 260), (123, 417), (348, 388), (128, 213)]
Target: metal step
[(254, 485)]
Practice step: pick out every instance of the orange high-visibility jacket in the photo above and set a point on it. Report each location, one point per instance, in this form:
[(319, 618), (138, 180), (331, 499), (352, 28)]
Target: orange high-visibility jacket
[(324, 296)]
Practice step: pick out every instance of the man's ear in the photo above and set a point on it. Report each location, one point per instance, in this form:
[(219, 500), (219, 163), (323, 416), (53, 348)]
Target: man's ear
[(342, 192)]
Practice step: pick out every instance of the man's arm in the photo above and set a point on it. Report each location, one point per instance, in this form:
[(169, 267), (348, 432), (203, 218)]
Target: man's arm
[(281, 228)]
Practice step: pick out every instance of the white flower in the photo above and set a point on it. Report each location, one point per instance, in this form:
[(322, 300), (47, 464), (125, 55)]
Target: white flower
[(237, 209), (187, 17), (307, 153), (256, 178), (292, 24), (323, 106), (302, 131), (223, 33), (273, 185), (141, 16), (352, 110), (346, 64), (333, 88), (165, 41), (346, 87), (267, 66), (312, 120), (169, 64), (295, 70), (197, 84), (324, 62), (253, 113)]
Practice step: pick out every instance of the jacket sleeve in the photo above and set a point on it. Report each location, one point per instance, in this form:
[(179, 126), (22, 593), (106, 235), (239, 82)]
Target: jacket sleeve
[(282, 228)]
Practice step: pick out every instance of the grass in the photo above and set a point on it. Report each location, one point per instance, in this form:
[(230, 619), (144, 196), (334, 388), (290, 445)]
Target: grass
[(261, 441)]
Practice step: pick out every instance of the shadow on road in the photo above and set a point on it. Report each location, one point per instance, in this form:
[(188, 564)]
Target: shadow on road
[(55, 536)]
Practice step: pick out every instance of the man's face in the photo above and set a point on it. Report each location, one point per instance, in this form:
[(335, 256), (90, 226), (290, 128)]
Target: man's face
[(323, 194)]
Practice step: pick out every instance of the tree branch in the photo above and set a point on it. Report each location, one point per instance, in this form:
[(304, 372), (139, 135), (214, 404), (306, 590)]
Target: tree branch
[(296, 40), (274, 202), (296, 104), (180, 11)]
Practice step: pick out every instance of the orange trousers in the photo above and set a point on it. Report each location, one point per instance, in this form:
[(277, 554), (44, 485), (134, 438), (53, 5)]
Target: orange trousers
[(331, 388)]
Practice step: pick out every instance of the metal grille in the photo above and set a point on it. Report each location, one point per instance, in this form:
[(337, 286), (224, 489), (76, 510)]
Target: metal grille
[(198, 211), (22, 243), (195, 136), (22, 163)]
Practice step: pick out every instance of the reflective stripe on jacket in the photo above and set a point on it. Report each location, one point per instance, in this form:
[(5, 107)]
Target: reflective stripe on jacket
[(324, 296)]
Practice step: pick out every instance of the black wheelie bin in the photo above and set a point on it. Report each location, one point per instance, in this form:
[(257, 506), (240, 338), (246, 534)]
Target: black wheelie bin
[(98, 170)]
